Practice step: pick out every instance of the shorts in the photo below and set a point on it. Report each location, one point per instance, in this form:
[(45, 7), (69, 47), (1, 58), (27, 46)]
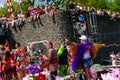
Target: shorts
[(87, 62)]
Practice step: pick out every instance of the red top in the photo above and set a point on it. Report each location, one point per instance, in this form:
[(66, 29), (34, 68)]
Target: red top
[(5, 63), (39, 10), (12, 57)]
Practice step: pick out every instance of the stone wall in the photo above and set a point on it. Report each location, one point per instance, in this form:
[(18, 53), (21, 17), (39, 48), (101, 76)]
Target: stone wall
[(46, 28)]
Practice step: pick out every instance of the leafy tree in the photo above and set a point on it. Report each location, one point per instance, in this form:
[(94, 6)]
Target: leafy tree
[(93, 3), (20, 6), (117, 5), (102, 4), (15, 6), (24, 5), (109, 5), (4, 10)]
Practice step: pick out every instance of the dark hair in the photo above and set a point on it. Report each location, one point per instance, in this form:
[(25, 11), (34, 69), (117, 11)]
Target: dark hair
[(50, 43), (25, 48), (18, 44)]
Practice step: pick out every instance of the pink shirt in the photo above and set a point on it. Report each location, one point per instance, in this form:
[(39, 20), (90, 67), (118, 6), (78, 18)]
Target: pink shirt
[(32, 13)]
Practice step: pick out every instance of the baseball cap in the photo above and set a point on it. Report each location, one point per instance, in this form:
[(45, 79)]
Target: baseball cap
[(83, 37)]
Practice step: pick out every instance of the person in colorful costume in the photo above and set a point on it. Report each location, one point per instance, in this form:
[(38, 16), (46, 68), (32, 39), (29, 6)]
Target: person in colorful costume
[(62, 60), (19, 59), (6, 67), (84, 54)]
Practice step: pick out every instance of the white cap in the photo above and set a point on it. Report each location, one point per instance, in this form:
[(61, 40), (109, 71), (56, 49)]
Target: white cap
[(83, 37)]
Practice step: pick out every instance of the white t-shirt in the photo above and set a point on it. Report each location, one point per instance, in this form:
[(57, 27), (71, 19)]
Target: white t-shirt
[(86, 55)]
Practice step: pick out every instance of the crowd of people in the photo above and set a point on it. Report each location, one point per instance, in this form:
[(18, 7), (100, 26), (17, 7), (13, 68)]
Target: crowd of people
[(18, 19), (13, 62), (81, 7), (67, 59)]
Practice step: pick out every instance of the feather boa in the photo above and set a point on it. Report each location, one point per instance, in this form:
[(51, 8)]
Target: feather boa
[(81, 49), (33, 68), (95, 49)]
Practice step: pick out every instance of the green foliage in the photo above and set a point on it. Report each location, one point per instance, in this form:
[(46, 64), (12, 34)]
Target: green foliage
[(20, 6), (93, 3), (109, 5), (102, 4), (16, 7), (25, 5), (117, 5), (4, 10)]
